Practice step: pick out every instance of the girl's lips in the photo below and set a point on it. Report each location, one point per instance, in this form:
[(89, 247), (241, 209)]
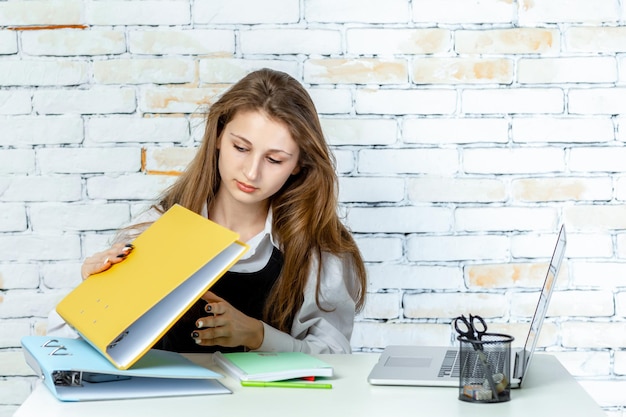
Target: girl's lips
[(245, 187)]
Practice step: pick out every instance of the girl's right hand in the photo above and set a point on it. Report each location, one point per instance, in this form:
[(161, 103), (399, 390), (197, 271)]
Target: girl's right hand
[(102, 261)]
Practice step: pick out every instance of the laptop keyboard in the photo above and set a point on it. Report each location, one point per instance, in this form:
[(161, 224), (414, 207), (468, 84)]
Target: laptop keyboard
[(451, 367)]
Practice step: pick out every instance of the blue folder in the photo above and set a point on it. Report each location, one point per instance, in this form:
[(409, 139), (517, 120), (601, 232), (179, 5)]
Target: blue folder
[(74, 371)]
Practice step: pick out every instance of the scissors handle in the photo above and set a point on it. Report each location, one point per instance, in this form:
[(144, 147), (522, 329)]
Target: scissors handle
[(472, 328)]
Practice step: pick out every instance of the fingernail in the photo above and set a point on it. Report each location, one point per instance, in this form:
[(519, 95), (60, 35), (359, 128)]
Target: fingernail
[(207, 308), (195, 335), (129, 246), (106, 261), (199, 324), (122, 255)]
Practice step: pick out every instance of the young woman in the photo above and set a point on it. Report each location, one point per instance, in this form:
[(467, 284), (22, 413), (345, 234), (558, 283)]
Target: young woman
[(265, 171)]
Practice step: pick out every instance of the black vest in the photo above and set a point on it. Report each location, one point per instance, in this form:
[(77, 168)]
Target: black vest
[(246, 291)]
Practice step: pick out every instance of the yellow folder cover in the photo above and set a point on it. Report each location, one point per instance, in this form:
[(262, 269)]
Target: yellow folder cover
[(125, 310)]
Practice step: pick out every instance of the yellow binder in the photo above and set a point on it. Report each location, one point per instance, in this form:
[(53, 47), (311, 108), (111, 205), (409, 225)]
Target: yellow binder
[(124, 311)]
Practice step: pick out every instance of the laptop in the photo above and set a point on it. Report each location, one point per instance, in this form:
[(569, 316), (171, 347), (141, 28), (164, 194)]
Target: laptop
[(438, 365)]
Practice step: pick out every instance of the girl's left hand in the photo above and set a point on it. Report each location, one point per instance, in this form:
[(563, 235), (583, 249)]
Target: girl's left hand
[(227, 326)]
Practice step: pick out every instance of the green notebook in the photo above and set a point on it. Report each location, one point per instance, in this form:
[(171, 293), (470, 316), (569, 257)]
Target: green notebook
[(272, 366)]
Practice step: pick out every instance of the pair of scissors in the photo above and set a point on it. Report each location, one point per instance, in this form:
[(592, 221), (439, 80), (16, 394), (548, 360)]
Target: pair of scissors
[(472, 330)]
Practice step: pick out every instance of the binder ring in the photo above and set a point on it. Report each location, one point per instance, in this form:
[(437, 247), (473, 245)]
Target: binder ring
[(58, 351)]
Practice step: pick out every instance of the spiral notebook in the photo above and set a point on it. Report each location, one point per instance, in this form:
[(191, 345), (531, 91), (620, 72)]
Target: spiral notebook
[(438, 365), (123, 311)]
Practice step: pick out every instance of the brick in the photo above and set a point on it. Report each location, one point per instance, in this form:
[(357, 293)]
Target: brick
[(572, 304), (346, 163), (620, 362), (506, 275), (40, 130), (40, 188), (606, 393), (379, 335), (97, 100), (13, 363), (16, 161), (414, 277), (380, 249), (168, 160), (26, 303), (128, 187), (455, 130), (462, 70), (38, 248), (132, 129), (72, 42), (13, 217), (181, 42), (97, 241), (8, 42), (230, 70), (89, 160), (620, 304), (562, 189), (244, 12), (508, 41), (595, 39), (563, 11), (390, 41), (598, 275), (356, 71), (593, 334), (408, 161), (513, 160), (567, 70), (621, 245), (444, 189), (592, 245), (540, 244), (448, 306), (544, 129), (144, 71), (18, 276), (371, 190), (459, 11), (356, 11), (43, 73), (382, 306), (596, 159), (62, 275), (146, 12), (456, 248), (41, 12), (405, 101), (290, 41), (48, 217), (14, 102), (399, 219), (13, 391), (512, 100), (178, 99), (331, 100), (597, 101), (362, 132), (501, 219), (620, 188), (12, 332)]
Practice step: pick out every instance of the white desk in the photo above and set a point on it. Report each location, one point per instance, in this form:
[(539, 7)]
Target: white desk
[(548, 391)]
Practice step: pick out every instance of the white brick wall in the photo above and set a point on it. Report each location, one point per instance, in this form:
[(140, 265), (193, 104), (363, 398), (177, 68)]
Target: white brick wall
[(465, 133)]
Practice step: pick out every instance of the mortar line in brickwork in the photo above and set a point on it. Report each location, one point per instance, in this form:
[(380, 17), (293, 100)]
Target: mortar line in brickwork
[(50, 27)]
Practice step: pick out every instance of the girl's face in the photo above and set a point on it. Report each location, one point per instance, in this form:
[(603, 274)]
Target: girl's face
[(256, 157)]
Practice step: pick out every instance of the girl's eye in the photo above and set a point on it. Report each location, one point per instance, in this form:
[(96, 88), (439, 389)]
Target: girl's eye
[(240, 148), (273, 161)]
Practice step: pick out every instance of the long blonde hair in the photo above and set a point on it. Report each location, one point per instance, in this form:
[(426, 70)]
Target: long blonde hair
[(305, 218)]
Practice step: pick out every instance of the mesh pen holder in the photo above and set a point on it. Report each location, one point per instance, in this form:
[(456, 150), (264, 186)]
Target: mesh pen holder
[(485, 368)]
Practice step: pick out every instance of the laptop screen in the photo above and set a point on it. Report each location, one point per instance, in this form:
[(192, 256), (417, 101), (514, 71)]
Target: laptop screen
[(544, 299)]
